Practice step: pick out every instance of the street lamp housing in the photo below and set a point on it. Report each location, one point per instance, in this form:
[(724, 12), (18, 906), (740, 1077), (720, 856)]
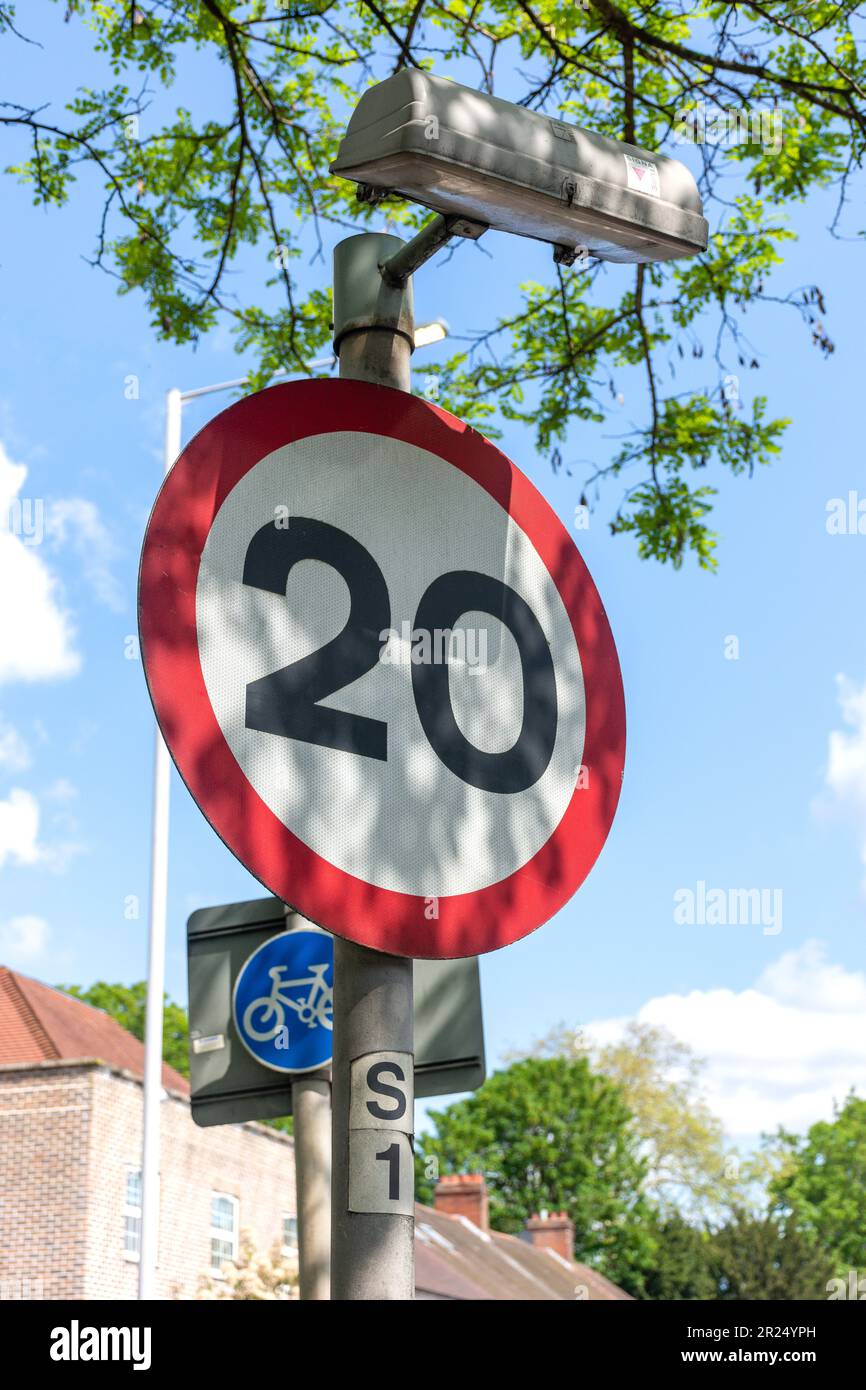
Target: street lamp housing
[(464, 153)]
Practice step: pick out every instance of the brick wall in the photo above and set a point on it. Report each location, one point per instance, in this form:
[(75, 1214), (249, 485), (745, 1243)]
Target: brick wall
[(63, 1168), (45, 1117)]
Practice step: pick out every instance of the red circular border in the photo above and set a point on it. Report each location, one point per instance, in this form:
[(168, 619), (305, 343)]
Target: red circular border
[(192, 494)]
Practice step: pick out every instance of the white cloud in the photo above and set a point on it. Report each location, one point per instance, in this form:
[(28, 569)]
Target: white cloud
[(14, 753), (778, 1053), (846, 761), (57, 857), (75, 521), (19, 828), (36, 633), (62, 790), (23, 940), (20, 844), (806, 979)]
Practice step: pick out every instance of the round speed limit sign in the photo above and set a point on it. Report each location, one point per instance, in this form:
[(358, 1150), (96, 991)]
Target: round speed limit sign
[(382, 668)]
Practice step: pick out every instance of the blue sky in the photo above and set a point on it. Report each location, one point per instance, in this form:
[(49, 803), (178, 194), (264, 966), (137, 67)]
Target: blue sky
[(746, 773)]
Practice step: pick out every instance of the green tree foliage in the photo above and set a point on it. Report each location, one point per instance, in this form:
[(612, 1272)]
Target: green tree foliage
[(126, 1004), (549, 1133), (762, 1258), (690, 1168), (749, 1258), (185, 197), (820, 1188), (682, 1263)]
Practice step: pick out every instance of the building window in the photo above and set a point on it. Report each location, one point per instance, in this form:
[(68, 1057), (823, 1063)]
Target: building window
[(290, 1235), (132, 1215), (223, 1230)]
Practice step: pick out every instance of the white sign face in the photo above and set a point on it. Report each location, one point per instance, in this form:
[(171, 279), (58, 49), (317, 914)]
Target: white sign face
[(406, 822), (382, 668)]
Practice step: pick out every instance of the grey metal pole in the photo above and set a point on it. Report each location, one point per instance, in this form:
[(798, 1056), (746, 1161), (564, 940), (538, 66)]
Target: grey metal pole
[(311, 1107), (372, 1252)]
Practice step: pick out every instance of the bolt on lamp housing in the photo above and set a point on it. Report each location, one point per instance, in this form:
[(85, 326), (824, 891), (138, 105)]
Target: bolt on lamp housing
[(463, 153)]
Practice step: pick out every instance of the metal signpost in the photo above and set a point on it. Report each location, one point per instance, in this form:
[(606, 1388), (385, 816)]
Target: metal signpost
[(282, 1008), (232, 1081), (425, 334), (260, 982), (418, 741)]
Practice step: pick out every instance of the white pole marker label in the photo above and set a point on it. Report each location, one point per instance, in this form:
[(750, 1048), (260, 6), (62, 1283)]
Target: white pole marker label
[(381, 1123)]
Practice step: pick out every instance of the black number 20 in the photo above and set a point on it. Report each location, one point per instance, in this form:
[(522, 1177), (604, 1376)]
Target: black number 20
[(287, 701)]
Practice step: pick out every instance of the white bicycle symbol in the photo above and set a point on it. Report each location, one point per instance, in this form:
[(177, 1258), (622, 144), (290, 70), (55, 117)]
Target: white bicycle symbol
[(316, 1008)]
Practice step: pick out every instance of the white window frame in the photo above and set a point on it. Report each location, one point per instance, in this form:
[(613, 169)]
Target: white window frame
[(285, 1247), (219, 1233), (131, 1211)]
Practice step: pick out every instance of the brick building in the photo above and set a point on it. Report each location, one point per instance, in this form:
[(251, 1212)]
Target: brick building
[(70, 1190), (70, 1155)]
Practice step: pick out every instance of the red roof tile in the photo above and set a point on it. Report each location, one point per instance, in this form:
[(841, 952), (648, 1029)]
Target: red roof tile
[(41, 1024)]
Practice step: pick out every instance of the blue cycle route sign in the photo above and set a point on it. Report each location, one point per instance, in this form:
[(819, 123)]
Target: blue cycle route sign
[(283, 1001)]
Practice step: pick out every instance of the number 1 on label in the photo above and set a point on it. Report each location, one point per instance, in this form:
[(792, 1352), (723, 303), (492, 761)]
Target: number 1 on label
[(391, 1156)]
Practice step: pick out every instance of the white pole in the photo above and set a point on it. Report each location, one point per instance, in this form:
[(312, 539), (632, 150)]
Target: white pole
[(149, 1250)]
